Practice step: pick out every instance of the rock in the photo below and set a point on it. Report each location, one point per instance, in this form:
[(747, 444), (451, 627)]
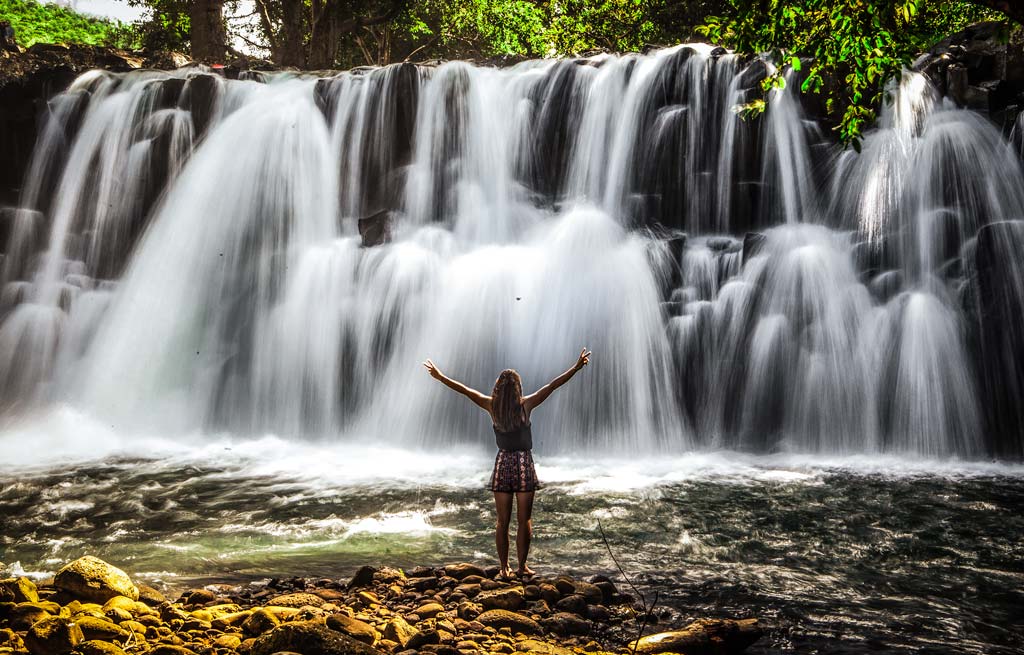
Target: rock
[(399, 631), (18, 590), (429, 610), (170, 649), (573, 603), (363, 577), (509, 598), (98, 648), (375, 229), (230, 642), (53, 636), (423, 584), (150, 596), (517, 623), (590, 592), (309, 638), (358, 630), (538, 646), (463, 569), (260, 621), (297, 600), (752, 244), (90, 578), (468, 590), (702, 637), (94, 628), (565, 624), (469, 611), (550, 593), (23, 615), (199, 597), (423, 638)]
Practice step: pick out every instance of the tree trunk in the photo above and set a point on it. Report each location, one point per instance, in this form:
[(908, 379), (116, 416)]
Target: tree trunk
[(209, 40), (292, 50)]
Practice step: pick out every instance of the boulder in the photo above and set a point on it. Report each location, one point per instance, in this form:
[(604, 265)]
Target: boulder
[(509, 598), (98, 648), (429, 610), (309, 638), (94, 628), (573, 603), (170, 649), (517, 623), (53, 636), (358, 630), (363, 577), (399, 631), (90, 578), (260, 621), (702, 637), (18, 590), (538, 646), (375, 229), (464, 569), (565, 624), (297, 600)]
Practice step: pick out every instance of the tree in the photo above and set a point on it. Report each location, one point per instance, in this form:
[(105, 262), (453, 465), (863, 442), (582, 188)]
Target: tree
[(208, 37), (853, 47)]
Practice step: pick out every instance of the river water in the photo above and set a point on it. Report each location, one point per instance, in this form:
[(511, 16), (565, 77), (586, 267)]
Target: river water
[(848, 554)]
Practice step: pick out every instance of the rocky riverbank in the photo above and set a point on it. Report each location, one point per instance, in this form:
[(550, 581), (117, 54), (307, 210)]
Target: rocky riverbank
[(93, 608)]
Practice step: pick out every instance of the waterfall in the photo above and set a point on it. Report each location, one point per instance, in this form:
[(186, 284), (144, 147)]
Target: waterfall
[(187, 256)]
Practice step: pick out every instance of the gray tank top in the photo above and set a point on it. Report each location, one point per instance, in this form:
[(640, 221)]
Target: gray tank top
[(518, 439)]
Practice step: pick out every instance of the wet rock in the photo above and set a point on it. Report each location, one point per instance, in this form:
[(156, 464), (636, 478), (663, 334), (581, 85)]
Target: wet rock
[(375, 229), (591, 593), (538, 646), (463, 570), (171, 649), (53, 636), (358, 630), (23, 615), (509, 598), (423, 584), (150, 596), (363, 577), (98, 648), (199, 597), (753, 242), (705, 636), (297, 600), (573, 603), (565, 624), (18, 590), (423, 638), (309, 638), (90, 578), (517, 623), (429, 610), (259, 622), (399, 631), (94, 628), (550, 593)]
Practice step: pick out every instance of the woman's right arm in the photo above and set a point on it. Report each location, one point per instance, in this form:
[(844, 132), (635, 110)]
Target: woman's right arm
[(482, 401), (542, 394)]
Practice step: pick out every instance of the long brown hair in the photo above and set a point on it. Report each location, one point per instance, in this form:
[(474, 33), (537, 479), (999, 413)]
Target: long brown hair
[(507, 408)]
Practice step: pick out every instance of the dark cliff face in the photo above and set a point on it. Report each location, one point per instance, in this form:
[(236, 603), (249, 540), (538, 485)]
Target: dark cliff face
[(27, 81), (980, 68)]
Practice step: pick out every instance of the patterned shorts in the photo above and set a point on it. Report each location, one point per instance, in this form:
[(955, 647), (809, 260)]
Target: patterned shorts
[(514, 471)]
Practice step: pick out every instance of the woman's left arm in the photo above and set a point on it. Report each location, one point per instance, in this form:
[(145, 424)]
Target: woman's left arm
[(482, 401)]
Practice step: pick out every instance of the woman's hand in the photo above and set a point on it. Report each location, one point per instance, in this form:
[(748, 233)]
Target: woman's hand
[(583, 360), (434, 371)]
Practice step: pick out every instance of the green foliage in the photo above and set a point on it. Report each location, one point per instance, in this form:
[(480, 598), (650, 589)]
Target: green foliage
[(34, 22), (854, 46)]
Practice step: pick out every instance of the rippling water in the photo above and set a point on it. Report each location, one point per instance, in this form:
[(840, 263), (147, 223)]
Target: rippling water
[(841, 555)]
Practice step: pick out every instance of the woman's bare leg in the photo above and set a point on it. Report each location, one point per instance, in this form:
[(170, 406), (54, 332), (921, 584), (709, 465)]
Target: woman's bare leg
[(503, 503), (524, 531)]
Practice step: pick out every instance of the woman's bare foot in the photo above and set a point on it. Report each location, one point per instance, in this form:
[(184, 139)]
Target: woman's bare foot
[(505, 573), (525, 572)]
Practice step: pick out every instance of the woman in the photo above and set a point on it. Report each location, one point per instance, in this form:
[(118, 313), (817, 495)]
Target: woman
[(514, 474)]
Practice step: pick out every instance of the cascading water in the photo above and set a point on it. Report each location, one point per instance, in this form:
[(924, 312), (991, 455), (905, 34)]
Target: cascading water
[(186, 257)]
